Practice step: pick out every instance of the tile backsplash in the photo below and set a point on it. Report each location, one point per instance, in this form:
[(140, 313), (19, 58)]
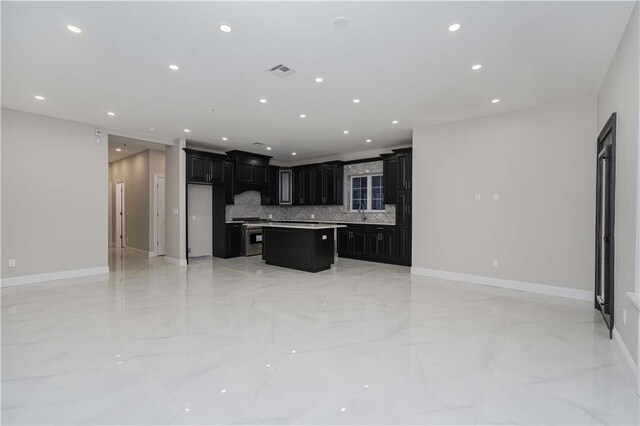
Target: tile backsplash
[(247, 204)]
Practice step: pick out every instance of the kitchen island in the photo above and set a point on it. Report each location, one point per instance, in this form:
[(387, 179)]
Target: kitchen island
[(302, 246)]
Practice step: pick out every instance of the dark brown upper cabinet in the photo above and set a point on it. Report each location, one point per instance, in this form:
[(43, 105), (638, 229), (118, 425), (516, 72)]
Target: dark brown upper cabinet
[(251, 170), (270, 197), (204, 168), (318, 184), (403, 176), (303, 186), (390, 173)]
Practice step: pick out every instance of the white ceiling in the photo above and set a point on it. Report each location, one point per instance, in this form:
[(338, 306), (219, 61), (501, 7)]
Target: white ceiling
[(398, 58), (129, 147)]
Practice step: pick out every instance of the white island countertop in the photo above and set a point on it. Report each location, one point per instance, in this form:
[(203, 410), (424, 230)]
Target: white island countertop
[(302, 225)]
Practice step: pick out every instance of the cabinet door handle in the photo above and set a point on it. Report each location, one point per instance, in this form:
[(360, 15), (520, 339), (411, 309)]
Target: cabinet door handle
[(409, 207)]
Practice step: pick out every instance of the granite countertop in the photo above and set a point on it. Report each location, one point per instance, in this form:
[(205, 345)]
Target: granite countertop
[(349, 222), (316, 221), (302, 225)]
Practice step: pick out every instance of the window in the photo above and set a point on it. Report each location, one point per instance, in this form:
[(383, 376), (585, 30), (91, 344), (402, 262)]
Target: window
[(367, 193)]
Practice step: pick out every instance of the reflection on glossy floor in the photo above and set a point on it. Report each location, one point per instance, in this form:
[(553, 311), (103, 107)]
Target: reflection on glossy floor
[(235, 341)]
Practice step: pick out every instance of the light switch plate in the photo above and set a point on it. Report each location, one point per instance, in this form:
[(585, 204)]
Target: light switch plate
[(313, 216), (270, 216), (477, 197), (12, 263), (176, 211), (496, 196), (494, 263)]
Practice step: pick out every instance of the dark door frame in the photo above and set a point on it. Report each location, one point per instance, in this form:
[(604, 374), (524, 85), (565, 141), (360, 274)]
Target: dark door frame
[(606, 151)]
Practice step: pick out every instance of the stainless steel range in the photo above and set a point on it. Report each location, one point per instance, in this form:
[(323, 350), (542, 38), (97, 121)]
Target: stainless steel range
[(252, 233)]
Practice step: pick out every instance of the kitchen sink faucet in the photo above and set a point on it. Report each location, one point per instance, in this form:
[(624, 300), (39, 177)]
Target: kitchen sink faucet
[(361, 209)]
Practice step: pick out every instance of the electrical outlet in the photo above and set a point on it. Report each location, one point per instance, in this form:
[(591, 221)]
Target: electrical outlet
[(494, 263), (270, 216), (313, 216), (12, 263), (176, 211), (477, 197), (624, 316)]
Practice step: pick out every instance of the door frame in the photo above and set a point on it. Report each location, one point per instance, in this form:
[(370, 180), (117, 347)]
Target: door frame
[(609, 129), (122, 225), (155, 212)]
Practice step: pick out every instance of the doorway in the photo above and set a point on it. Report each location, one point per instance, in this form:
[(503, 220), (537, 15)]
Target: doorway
[(159, 213), (605, 222), (120, 222)]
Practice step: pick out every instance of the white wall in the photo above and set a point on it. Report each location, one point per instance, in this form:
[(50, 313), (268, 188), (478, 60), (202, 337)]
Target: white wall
[(156, 167), (542, 163), (54, 203), (175, 206), (620, 92)]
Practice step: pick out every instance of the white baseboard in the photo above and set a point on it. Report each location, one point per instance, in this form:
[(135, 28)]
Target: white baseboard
[(571, 293), (137, 250), (53, 276), (174, 261), (626, 355)]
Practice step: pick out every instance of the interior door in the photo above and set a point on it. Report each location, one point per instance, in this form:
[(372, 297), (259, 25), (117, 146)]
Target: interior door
[(605, 221), (160, 217), (119, 240)]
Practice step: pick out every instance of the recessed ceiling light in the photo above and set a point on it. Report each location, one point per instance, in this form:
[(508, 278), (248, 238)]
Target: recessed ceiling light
[(38, 97), (356, 101), (293, 153), (318, 80), (346, 132), (495, 101), (153, 129), (268, 148), (368, 141), (119, 149), (303, 115), (174, 67), (394, 122), (454, 27), (224, 138), (225, 28), (476, 67), (187, 130), (263, 101), (111, 114), (74, 29)]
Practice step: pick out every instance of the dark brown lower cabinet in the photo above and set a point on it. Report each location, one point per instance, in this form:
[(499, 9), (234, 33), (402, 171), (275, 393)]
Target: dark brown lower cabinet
[(403, 245), (367, 242), (234, 240)]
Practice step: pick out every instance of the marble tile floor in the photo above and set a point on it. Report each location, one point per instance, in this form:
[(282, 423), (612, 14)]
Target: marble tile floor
[(238, 342)]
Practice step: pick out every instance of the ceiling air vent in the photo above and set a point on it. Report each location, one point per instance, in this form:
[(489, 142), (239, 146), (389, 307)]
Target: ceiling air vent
[(281, 70), (257, 144)]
